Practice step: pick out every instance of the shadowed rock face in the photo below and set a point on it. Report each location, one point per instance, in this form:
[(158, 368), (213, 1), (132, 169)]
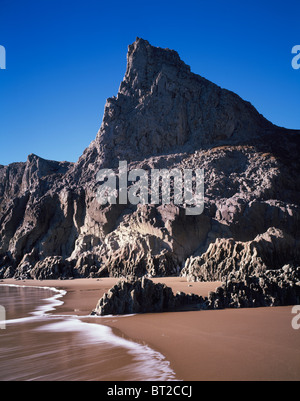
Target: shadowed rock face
[(163, 116), (162, 107), (143, 296)]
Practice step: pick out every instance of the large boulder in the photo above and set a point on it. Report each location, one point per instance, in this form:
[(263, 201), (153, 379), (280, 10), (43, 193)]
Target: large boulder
[(143, 296)]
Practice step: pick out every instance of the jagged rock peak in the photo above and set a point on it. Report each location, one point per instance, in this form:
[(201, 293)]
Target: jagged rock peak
[(145, 61), (163, 107)]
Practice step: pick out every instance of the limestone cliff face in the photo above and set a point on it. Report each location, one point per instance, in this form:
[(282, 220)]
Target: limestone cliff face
[(163, 116), (162, 107)]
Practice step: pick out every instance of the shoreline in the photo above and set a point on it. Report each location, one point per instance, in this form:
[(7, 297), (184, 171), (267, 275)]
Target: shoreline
[(229, 344), (89, 349), (82, 294)]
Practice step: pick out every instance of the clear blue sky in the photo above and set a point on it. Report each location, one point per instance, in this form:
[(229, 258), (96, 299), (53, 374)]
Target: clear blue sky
[(65, 57)]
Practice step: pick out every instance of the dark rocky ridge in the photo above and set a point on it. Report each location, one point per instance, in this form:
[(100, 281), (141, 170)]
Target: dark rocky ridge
[(164, 116), (143, 296), (272, 288)]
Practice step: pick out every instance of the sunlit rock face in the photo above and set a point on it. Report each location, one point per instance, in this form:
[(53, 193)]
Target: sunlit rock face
[(163, 117)]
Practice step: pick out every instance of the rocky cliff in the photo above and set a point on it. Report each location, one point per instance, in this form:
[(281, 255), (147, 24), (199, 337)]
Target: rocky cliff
[(164, 116)]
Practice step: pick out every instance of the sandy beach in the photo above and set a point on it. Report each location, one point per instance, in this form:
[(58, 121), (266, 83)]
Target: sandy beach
[(239, 344)]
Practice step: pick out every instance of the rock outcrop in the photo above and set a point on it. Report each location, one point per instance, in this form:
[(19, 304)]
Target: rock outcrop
[(163, 107), (226, 256), (272, 288), (163, 117), (144, 296)]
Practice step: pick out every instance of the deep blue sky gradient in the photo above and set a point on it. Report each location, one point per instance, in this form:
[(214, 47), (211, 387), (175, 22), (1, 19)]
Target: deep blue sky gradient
[(64, 58)]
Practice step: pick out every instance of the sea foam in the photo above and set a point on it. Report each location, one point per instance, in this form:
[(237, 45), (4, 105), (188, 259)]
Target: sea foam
[(148, 364)]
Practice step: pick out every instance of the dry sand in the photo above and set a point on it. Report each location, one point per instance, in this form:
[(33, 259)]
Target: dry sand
[(239, 344)]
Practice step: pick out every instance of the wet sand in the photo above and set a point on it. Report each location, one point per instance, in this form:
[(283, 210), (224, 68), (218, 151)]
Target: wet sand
[(249, 344), (239, 344)]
